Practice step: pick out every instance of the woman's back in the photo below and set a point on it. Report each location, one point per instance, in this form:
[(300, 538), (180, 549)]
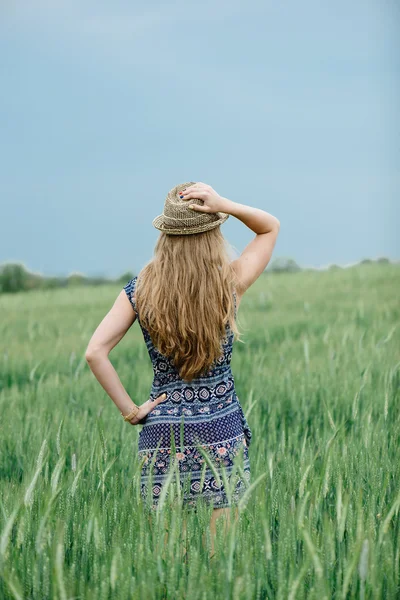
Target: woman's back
[(211, 415)]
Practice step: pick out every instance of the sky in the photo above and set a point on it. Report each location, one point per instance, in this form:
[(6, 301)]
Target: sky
[(291, 107)]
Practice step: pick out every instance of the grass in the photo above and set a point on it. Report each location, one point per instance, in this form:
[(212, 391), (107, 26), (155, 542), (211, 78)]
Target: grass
[(318, 378)]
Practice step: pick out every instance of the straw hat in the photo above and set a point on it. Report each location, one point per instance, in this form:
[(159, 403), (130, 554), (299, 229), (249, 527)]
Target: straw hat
[(179, 219)]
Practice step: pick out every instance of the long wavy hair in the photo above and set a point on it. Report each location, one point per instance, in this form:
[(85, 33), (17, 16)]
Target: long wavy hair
[(185, 299)]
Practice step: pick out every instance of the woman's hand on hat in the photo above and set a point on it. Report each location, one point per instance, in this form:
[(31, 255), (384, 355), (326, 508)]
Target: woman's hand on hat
[(146, 408), (213, 202)]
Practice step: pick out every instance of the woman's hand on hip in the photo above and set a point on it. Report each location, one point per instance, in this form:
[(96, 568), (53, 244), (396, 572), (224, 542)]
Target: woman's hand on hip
[(212, 201), (146, 408)]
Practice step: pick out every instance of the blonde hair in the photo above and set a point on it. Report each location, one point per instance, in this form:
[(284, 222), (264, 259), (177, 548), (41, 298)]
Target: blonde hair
[(184, 297)]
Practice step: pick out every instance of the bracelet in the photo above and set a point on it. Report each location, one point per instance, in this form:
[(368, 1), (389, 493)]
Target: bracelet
[(131, 414)]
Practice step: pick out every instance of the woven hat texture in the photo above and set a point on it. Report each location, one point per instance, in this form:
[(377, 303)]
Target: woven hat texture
[(179, 219)]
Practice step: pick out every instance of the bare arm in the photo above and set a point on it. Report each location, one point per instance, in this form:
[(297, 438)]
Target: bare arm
[(256, 256), (107, 335)]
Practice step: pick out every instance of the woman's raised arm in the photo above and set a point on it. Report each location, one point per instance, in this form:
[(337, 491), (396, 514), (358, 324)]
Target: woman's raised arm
[(256, 256)]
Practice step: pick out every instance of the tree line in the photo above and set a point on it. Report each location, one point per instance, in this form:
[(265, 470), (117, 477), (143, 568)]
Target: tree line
[(15, 277)]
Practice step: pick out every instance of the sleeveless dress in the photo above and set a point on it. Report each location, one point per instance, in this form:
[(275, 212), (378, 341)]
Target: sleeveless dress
[(203, 417)]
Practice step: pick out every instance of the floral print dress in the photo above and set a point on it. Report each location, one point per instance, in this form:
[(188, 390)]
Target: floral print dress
[(199, 430)]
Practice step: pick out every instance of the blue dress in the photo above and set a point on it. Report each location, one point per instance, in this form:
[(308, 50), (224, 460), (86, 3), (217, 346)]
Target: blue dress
[(200, 423)]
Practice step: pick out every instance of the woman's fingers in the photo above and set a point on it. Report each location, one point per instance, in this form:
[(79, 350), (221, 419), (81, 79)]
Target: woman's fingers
[(198, 208), (192, 194), (194, 186), (161, 398), (146, 408), (197, 188), (196, 193)]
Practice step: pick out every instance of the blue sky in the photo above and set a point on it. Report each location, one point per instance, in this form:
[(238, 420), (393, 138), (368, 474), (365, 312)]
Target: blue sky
[(291, 107)]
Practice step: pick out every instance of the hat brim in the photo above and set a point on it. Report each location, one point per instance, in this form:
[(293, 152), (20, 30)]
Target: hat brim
[(159, 224)]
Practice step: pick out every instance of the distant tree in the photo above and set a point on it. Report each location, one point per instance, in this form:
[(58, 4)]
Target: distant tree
[(76, 279), (98, 280), (54, 282), (13, 277), (34, 281), (125, 277), (283, 264)]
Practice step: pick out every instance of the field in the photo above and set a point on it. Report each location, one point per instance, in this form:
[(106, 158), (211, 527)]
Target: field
[(318, 377)]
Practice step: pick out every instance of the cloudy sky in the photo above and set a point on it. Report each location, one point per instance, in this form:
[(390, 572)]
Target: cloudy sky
[(290, 106)]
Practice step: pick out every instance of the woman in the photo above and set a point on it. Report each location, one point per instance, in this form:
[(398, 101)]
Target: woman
[(186, 299)]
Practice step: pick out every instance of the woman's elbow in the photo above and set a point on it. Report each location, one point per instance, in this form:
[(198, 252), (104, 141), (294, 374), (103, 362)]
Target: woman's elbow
[(93, 353)]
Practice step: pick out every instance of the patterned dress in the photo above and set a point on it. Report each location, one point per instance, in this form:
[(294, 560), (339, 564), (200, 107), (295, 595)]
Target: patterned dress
[(201, 424)]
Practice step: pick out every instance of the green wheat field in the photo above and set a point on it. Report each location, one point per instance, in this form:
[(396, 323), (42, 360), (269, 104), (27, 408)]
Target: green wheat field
[(318, 377)]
